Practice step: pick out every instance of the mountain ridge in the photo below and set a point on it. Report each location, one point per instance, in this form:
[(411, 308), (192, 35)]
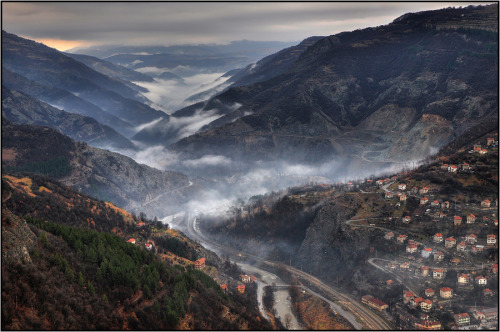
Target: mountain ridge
[(340, 80)]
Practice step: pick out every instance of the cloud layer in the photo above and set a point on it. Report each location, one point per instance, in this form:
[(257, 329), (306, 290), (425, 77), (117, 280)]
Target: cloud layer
[(168, 23)]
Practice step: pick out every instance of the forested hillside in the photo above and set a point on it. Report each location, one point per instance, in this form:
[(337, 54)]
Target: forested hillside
[(67, 265)]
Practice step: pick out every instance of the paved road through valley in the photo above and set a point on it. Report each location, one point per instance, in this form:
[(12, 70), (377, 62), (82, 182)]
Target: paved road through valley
[(370, 319)]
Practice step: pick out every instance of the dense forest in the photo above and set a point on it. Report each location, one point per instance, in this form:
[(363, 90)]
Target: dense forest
[(62, 268)]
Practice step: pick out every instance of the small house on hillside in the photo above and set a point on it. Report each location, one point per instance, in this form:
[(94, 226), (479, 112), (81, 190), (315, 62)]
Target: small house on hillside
[(449, 242), (426, 252), (429, 292), (401, 238), (471, 238), (446, 292), (438, 256), (438, 237), (199, 264), (438, 273)]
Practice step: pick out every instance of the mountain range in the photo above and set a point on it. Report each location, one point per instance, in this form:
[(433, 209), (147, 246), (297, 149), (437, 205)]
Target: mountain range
[(58, 79), (396, 92)]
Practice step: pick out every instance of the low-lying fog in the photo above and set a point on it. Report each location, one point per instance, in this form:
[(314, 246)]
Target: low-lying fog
[(172, 94), (227, 182)]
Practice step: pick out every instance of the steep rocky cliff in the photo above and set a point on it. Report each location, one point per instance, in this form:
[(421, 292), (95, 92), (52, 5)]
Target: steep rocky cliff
[(330, 246)]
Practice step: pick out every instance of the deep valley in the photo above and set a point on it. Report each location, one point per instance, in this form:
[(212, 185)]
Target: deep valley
[(348, 181)]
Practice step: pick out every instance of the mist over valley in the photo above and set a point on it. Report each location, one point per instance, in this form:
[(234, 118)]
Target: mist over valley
[(339, 179)]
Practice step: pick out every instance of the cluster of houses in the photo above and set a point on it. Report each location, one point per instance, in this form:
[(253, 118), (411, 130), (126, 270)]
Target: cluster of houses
[(149, 245), (240, 287), (487, 318)]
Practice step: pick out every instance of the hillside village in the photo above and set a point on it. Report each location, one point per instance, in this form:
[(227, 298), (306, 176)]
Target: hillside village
[(440, 241), (432, 260)]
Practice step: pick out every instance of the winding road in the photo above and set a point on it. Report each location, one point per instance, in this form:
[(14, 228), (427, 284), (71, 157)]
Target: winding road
[(370, 319)]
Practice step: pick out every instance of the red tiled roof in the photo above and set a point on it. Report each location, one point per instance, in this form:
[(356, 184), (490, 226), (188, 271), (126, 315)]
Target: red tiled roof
[(429, 290), (446, 289), (377, 301), (428, 301), (491, 236), (439, 235), (462, 315)]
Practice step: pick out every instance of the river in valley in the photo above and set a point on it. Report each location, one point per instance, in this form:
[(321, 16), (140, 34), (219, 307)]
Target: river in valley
[(282, 302)]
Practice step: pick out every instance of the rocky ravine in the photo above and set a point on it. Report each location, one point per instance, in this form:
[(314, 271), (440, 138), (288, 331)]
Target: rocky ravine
[(330, 246)]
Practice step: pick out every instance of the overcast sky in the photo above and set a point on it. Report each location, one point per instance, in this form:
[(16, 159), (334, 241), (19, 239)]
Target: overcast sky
[(67, 25)]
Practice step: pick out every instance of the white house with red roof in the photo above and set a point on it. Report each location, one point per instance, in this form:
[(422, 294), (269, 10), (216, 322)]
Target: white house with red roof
[(491, 239), (461, 246), (426, 252), (411, 249), (462, 319), (438, 274), (408, 296), (481, 281), (424, 190), (446, 292), (471, 219), (426, 305), (401, 238), (471, 238), (463, 279), (449, 242), (486, 203), (438, 237)]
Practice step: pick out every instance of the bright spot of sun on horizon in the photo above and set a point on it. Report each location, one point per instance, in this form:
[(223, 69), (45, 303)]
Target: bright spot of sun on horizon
[(62, 45)]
